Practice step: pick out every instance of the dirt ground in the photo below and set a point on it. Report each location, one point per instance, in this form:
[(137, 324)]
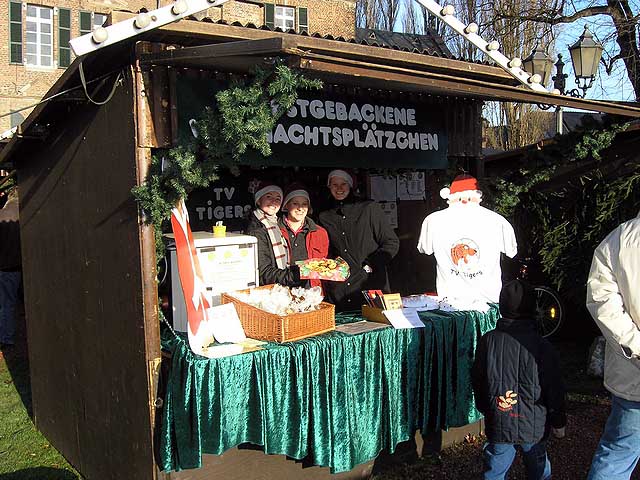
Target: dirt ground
[(587, 411)]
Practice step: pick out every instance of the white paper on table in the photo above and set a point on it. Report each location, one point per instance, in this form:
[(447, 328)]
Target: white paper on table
[(404, 318), (220, 351), (225, 324)]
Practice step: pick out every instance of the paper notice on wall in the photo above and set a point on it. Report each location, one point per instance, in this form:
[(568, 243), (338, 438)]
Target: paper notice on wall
[(411, 186), (390, 210), (383, 188)]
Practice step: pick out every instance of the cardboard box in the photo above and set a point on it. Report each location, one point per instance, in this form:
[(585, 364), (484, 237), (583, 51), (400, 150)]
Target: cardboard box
[(374, 314)]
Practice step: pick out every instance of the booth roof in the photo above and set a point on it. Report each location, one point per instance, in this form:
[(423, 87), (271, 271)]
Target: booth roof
[(204, 44)]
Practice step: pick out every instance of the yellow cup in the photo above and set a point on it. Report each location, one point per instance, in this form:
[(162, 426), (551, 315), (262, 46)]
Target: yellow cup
[(220, 231)]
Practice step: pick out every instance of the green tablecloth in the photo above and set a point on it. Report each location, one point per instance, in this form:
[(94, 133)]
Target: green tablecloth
[(338, 399)]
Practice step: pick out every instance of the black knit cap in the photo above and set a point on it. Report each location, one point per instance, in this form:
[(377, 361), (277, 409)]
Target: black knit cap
[(517, 300)]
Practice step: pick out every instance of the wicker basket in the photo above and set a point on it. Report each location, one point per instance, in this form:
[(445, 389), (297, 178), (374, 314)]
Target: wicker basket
[(282, 328)]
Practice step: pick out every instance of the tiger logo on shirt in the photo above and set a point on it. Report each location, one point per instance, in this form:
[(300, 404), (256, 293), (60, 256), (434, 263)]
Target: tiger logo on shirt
[(465, 255)]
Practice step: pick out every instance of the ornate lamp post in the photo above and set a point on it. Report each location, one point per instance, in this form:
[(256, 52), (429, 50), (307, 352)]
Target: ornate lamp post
[(585, 56), (539, 62)]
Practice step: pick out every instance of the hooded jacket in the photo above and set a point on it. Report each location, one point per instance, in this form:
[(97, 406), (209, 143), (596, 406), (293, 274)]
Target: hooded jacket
[(613, 300), (361, 235), (516, 380)]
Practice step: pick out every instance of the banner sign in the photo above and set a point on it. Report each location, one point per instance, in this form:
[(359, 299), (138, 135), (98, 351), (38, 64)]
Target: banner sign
[(322, 130)]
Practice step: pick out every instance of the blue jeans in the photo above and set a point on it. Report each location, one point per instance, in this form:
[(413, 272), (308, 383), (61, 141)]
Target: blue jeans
[(498, 457), (9, 284), (619, 448)]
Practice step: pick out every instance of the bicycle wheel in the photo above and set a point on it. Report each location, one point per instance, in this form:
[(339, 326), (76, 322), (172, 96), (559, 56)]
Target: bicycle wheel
[(548, 311)]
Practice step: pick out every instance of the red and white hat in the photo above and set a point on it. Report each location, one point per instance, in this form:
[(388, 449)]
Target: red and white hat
[(346, 176), (264, 188), (462, 183), (295, 190)]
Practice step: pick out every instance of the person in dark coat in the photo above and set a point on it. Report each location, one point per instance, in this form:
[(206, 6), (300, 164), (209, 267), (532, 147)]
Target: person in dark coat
[(10, 271), (273, 253), (359, 233), (518, 388), (304, 238)]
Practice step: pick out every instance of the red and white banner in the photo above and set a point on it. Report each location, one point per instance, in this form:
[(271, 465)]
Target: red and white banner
[(191, 279)]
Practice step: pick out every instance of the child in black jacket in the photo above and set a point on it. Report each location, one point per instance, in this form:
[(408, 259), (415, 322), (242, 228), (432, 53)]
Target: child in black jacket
[(518, 388)]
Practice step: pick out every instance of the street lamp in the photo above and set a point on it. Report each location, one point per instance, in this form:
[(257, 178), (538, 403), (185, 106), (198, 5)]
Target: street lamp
[(585, 56), (538, 62)]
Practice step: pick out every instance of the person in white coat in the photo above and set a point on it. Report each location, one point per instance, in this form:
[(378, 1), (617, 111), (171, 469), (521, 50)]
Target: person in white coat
[(613, 299)]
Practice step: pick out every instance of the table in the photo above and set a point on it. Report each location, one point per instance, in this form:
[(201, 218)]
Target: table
[(337, 399)]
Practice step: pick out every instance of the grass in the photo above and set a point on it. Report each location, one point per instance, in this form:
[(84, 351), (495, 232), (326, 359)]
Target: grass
[(25, 453)]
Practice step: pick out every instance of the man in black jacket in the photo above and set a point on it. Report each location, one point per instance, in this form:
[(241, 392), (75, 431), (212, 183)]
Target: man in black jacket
[(518, 388), (359, 233)]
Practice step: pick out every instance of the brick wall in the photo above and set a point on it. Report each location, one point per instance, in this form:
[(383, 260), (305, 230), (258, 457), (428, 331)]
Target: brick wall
[(21, 86)]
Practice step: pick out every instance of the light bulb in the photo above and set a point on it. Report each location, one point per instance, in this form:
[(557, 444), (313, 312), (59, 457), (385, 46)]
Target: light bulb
[(471, 28), (179, 7), (515, 63), (143, 20), (555, 91), (494, 45), (100, 34), (448, 10), (535, 78)]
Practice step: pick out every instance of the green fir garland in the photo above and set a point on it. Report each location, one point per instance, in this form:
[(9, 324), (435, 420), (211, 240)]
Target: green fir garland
[(561, 222), (236, 125)]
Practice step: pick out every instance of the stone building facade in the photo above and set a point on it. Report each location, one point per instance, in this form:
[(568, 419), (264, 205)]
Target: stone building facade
[(34, 53)]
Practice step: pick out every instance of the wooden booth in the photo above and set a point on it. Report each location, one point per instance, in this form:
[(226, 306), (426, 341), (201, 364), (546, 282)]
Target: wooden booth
[(89, 259)]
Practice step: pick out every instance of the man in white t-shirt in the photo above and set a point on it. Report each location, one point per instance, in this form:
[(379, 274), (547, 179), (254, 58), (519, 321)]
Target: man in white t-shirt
[(467, 240)]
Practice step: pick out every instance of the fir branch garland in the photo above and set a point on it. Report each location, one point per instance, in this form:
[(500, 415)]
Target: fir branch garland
[(238, 123), (562, 224)]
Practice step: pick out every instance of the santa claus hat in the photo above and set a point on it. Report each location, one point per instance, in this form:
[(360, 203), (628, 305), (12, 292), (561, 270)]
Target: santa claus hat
[(346, 176), (295, 190), (264, 188), (462, 183)]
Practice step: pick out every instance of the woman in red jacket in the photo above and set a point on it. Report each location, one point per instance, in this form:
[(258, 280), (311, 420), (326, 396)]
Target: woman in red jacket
[(305, 239)]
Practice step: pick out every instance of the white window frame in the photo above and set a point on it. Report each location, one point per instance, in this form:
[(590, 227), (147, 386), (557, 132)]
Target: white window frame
[(95, 17), (39, 22), (281, 15)]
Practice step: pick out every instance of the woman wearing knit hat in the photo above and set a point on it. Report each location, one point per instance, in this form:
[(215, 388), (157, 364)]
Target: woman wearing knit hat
[(273, 254), (361, 235), (305, 239)]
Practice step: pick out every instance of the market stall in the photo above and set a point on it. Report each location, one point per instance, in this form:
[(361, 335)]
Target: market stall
[(91, 294), (337, 399)]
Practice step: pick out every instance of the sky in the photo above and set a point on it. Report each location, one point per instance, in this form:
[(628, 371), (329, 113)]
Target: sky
[(606, 87)]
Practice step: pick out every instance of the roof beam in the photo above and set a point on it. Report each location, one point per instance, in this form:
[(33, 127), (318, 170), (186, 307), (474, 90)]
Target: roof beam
[(143, 22), (379, 76)]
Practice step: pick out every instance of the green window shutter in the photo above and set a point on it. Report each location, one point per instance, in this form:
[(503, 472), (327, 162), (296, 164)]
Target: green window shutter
[(269, 15), (15, 32), (64, 35), (85, 23), (303, 20)]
